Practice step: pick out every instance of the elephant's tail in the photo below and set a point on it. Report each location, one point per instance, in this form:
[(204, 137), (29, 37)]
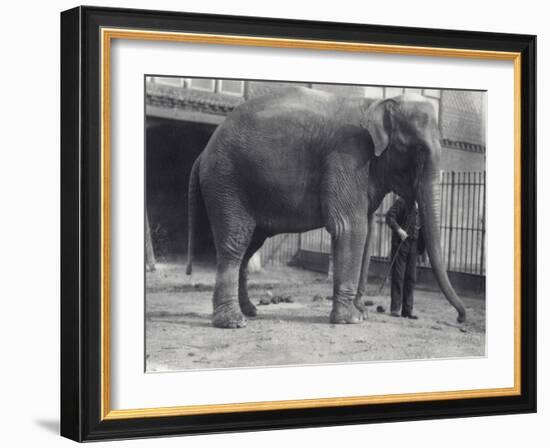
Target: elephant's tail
[(193, 198)]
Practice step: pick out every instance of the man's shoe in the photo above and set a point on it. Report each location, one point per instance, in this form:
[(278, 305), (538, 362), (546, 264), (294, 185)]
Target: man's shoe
[(410, 316), (394, 314)]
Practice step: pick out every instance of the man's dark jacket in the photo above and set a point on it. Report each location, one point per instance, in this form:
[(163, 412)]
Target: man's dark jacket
[(404, 216)]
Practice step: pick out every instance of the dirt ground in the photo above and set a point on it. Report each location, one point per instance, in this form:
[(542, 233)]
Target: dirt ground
[(179, 335)]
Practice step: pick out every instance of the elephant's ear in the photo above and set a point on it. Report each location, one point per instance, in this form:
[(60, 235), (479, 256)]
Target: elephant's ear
[(378, 123)]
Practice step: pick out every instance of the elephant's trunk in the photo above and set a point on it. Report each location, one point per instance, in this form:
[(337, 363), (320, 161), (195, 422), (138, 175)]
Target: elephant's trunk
[(429, 200)]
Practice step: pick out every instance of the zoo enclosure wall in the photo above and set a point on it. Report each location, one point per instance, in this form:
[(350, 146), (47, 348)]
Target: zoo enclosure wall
[(182, 113)]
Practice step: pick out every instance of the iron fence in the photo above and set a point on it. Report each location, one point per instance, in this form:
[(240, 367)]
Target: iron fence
[(463, 229)]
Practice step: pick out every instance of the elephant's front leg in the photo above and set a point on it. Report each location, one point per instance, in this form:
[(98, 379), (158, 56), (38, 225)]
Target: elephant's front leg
[(348, 244)]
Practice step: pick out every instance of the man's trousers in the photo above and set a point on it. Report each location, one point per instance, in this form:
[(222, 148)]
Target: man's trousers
[(403, 276)]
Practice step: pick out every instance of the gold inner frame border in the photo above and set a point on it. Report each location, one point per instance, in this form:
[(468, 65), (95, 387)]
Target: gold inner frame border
[(107, 35)]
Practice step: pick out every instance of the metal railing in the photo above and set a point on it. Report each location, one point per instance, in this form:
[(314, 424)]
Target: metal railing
[(463, 229)]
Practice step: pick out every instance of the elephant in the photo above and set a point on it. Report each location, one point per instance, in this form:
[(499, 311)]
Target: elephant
[(301, 159)]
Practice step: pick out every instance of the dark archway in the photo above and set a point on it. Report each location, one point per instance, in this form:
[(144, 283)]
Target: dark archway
[(171, 148)]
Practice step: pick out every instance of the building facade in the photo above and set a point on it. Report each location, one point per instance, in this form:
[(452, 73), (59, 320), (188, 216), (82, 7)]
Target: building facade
[(182, 114)]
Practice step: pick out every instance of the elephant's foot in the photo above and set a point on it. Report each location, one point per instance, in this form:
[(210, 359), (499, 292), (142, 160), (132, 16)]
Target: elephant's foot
[(228, 315), (247, 307), (360, 304), (345, 312)]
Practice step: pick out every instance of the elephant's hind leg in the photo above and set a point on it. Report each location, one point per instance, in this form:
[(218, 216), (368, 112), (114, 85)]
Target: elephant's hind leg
[(232, 240), (363, 279), (247, 307)]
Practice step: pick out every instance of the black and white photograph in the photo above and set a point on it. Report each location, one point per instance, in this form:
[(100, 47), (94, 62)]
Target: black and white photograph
[(293, 223), (275, 224)]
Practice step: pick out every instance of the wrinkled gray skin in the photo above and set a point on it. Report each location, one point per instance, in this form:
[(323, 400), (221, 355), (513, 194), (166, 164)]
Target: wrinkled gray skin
[(302, 159)]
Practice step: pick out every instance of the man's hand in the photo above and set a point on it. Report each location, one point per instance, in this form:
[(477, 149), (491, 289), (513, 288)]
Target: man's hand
[(402, 234)]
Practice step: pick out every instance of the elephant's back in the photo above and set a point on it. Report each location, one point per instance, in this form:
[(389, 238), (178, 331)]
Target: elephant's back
[(285, 102), (277, 122), (286, 123), (267, 151)]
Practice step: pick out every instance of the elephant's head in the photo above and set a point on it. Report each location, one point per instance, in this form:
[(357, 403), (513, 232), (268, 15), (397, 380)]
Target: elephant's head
[(406, 143)]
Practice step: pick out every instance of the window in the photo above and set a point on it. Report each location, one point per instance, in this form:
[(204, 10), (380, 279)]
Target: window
[(231, 87), (202, 84), (411, 90), (435, 103), (433, 93), (390, 92), (374, 92), (433, 96), (169, 81)]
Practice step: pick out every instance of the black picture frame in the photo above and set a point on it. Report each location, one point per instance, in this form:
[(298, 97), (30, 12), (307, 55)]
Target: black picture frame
[(81, 224)]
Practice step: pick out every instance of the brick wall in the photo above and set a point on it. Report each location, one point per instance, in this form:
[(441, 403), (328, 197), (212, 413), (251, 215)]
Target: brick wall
[(463, 116)]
